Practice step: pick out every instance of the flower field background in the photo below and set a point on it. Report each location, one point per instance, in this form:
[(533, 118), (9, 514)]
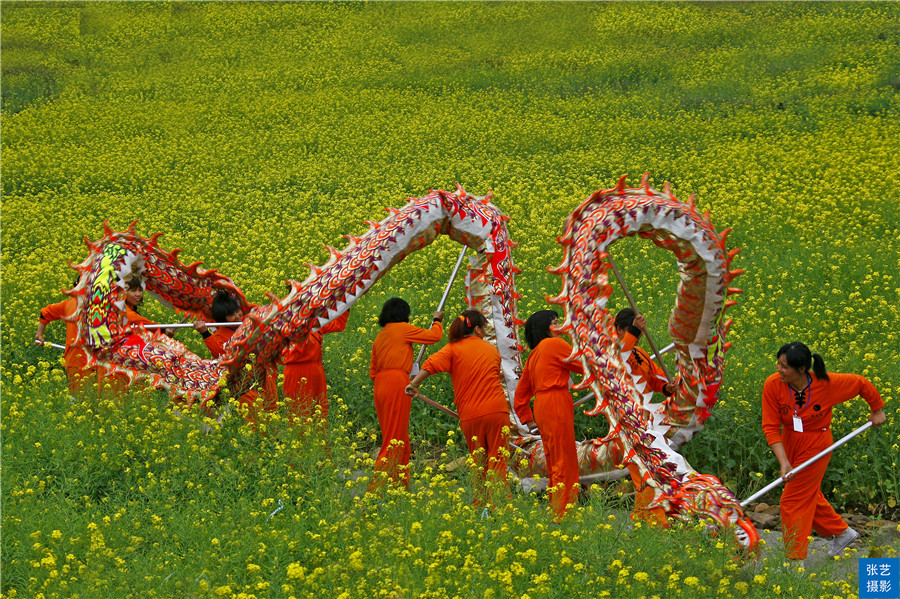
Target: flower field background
[(253, 134)]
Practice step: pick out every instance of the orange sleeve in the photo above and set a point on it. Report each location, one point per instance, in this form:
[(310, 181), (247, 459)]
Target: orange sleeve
[(440, 361), (562, 350), (216, 342), (771, 416), (524, 393), (337, 325), (135, 318), (843, 387), (425, 336), (56, 311), (628, 342), (372, 370)]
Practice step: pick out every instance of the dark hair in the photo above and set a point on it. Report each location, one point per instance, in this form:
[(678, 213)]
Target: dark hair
[(625, 320), (394, 310), (464, 325), (224, 305), (798, 356), (537, 327)]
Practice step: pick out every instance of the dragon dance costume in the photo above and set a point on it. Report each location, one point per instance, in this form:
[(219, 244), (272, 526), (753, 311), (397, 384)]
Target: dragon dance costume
[(474, 367), (304, 373), (75, 358)]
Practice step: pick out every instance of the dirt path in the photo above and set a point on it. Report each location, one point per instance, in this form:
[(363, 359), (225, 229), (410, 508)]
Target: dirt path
[(878, 538)]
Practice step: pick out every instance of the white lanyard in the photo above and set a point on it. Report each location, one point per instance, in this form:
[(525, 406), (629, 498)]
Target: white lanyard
[(798, 422)]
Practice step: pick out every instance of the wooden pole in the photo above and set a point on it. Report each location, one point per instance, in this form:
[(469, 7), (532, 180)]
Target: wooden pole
[(462, 254), (455, 415), (624, 287), (48, 344), (189, 325)]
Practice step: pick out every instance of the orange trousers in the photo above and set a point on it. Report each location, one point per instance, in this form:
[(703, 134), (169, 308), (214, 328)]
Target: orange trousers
[(304, 396), (392, 405), (803, 506), (485, 433), (555, 417)]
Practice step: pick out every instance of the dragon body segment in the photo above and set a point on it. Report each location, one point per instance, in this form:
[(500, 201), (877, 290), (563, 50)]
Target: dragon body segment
[(330, 290), (642, 433), (333, 287)]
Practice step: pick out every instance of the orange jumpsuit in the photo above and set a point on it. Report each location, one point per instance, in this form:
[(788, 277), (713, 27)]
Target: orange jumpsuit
[(75, 358), (474, 367), (803, 506), (392, 358), (304, 372), (215, 343), (546, 377)]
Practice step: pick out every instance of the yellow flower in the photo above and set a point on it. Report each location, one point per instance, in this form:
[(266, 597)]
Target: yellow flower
[(295, 570)]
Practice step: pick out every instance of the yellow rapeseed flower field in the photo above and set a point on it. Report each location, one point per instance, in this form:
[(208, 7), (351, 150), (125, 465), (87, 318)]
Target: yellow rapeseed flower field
[(252, 134)]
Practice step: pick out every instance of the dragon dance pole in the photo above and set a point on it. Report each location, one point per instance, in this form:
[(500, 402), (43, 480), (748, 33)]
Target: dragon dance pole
[(815, 458), (48, 344), (636, 311), (437, 405), (188, 325), (462, 254)]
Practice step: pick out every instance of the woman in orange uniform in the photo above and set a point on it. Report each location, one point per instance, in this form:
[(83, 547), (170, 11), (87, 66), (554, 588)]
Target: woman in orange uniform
[(474, 367), (796, 420), (392, 358), (226, 308), (304, 373), (546, 378), (75, 359)]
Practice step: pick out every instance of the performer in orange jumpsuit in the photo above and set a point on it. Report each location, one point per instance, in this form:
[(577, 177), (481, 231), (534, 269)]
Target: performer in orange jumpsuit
[(392, 359), (304, 373), (796, 420), (474, 367), (75, 359), (546, 377), (115, 384), (629, 327), (226, 308)]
